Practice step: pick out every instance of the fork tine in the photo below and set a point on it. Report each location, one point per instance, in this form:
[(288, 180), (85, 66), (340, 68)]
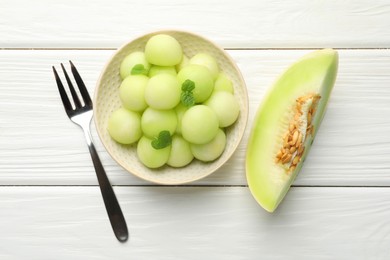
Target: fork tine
[(64, 96), (81, 85), (72, 91)]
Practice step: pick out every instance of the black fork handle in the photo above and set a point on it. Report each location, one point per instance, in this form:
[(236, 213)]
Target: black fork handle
[(114, 211)]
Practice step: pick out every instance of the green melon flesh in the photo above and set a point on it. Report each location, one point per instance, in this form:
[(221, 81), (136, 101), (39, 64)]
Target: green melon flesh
[(314, 73)]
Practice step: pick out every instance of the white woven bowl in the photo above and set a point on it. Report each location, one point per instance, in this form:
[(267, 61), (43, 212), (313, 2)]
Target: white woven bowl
[(106, 100)]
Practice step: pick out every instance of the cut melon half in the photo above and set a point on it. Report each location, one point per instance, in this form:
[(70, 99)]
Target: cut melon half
[(286, 124)]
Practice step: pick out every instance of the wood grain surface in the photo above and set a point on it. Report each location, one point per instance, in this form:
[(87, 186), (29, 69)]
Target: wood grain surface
[(50, 204), (230, 23), (195, 223)]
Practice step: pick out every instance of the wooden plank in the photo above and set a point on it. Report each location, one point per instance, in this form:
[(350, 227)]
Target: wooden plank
[(40, 146), (195, 223), (232, 24)]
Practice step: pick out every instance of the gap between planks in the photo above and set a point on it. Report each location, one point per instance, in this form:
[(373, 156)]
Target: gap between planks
[(229, 49), (200, 186)]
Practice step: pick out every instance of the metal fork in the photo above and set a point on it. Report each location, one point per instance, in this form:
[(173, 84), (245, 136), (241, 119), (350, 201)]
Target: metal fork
[(82, 115)]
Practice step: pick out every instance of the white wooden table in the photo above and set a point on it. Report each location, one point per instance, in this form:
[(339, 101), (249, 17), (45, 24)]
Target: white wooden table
[(50, 204)]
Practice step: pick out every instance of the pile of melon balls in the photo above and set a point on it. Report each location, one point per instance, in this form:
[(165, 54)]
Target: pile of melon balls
[(174, 108)]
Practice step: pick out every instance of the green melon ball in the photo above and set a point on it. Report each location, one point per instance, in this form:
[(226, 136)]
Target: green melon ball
[(130, 61), (124, 126), (212, 150), (223, 83), (202, 78), (149, 156), (225, 107), (163, 91), (154, 70), (199, 124), (207, 61), (154, 121), (163, 50), (132, 92), (181, 154)]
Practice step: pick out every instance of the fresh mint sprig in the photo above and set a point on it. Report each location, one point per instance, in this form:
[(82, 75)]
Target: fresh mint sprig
[(139, 69), (187, 97), (163, 140)]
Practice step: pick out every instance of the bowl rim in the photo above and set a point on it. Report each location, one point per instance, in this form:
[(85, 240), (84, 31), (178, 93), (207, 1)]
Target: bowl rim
[(232, 62)]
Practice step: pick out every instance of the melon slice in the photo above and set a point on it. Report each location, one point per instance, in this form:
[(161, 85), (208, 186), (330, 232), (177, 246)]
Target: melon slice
[(286, 124)]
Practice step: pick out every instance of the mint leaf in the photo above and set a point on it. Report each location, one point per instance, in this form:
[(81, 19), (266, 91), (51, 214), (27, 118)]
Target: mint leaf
[(188, 85), (187, 97), (163, 140), (139, 69)]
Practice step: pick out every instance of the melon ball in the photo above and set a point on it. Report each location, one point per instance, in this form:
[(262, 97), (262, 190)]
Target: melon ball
[(124, 126), (163, 50), (225, 107), (199, 124)]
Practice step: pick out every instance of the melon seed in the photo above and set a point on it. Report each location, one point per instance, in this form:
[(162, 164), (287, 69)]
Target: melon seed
[(296, 160), (287, 158)]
